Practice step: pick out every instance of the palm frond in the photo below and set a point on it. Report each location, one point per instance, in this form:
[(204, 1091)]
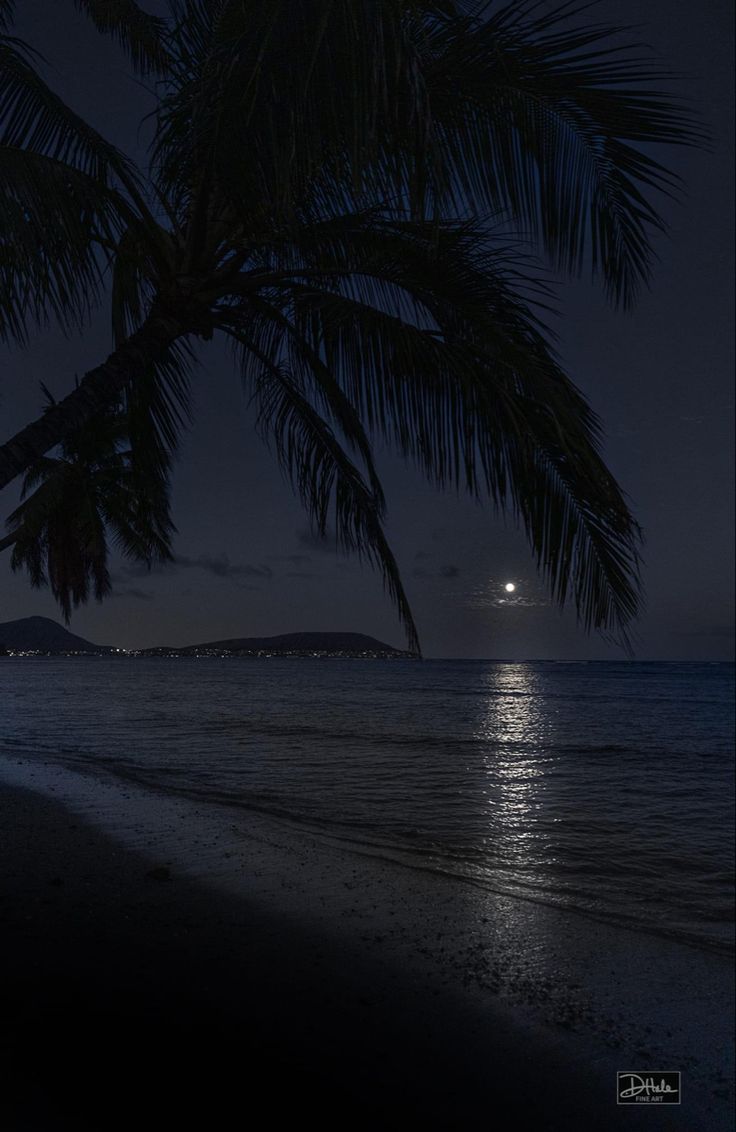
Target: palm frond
[(250, 97), (158, 408), (65, 194), (327, 481), (582, 533), (7, 12), (280, 339), (60, 537), (543, 118), (56, 220), (71, 503), (142, 35), (552, 120), (428, 334), (34, 118)]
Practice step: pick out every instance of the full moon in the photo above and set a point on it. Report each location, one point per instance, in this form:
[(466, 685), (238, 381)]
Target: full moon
[(509, 587)]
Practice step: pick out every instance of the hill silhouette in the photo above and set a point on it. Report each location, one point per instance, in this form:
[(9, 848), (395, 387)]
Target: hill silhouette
[(41, 634), (44, 635), (353, 644)]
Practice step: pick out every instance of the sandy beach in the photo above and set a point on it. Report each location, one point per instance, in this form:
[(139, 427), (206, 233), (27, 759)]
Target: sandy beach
[(153, 974)]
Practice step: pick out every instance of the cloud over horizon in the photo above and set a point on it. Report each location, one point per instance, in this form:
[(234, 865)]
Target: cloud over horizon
[(219, 565)]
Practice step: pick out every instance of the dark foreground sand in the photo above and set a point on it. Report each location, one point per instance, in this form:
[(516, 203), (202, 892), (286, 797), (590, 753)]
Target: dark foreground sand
[(136, 999)]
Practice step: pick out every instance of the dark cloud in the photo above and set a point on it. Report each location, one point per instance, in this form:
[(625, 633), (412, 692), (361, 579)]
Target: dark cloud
[(294, 559), (140, 570), (421, 556), (448, 571), (139, 595), (219, 565)]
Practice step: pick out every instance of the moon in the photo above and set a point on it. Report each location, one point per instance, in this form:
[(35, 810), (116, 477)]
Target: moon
[(509, 587)]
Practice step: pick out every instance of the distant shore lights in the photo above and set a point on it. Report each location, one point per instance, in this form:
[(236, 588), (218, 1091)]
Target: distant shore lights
[(509, 587)]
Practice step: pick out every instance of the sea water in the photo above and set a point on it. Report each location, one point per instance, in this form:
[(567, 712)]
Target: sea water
[(605, 788)]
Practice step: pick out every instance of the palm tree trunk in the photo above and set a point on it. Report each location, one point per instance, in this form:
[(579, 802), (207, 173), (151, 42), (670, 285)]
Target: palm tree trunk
[(99, 389), (9, 540)]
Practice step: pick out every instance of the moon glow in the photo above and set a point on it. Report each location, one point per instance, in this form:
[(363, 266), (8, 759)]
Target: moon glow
[(509, 587)]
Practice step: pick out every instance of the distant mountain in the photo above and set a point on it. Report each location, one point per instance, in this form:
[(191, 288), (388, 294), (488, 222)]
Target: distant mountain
[(329, 644), (41, 634)]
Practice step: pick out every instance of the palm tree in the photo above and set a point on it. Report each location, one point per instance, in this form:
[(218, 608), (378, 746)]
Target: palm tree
[(110, 477), (329, 187)]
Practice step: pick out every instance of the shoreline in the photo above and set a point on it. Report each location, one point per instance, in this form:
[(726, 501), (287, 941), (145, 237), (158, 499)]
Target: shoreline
[(350, 965)]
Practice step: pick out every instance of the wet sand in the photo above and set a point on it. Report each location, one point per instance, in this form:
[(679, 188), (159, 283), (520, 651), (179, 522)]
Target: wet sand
[(144, 985)]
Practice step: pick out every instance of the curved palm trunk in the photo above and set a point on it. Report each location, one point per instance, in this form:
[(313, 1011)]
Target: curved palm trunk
[(99, 389)]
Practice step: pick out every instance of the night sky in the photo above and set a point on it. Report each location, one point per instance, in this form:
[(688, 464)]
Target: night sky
[(660, 377)]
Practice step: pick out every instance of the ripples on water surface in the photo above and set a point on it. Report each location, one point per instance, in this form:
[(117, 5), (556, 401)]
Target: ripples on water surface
[(604, 787)]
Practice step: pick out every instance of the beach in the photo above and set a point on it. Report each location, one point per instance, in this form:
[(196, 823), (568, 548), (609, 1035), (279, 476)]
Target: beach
[(167, 961)]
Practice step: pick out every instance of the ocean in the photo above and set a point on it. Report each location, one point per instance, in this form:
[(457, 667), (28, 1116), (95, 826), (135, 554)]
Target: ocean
[(603, 788)]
